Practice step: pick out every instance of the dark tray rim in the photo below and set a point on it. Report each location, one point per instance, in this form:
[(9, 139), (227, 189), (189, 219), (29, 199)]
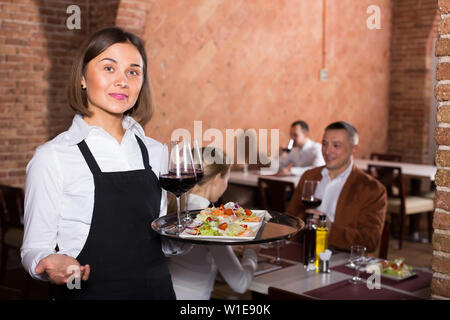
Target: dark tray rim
[(277, 217)]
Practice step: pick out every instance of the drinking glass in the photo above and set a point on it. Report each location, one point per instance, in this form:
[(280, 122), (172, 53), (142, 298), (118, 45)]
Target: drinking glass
[(278, 245), (358, 259), (177, 176), (198, 171), (309, 198)]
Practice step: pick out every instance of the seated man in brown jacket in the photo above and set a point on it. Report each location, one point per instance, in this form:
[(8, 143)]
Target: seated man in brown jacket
[(355, 203)]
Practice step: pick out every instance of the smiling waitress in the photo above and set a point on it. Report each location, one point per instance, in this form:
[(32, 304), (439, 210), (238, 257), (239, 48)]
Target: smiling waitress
[(92, 191)]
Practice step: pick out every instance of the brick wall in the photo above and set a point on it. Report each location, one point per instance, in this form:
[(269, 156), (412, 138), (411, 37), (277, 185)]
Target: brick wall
[(36, 50), (441, 237), (255, 64), (414, 28)]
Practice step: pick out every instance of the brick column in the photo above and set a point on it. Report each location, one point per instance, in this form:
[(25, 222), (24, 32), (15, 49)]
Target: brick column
[(412, 31), (132, 15), (36, 52), (441, 238)]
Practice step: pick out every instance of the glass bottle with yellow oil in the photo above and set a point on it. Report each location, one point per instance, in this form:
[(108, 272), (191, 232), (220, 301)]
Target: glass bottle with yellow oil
[(321, 238)]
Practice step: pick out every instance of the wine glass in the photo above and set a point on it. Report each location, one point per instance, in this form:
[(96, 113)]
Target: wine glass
[(198, 171), (278, 245), (358, 259), (177, 176), (309, 198)]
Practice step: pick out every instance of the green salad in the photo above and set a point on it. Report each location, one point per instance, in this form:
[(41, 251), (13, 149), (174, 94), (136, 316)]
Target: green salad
[(396, 268)]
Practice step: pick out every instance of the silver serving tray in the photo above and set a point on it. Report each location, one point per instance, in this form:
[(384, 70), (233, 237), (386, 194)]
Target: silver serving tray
[(280, 226)]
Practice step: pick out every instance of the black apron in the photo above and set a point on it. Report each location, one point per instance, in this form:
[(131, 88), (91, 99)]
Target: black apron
[(123, 251)]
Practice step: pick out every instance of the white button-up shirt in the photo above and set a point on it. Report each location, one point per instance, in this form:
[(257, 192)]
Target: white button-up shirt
[(304, 158), (59, 189), (329, 191)]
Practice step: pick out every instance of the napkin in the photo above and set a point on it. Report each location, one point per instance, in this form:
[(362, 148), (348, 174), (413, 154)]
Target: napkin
[(311, 267), (325, 256)]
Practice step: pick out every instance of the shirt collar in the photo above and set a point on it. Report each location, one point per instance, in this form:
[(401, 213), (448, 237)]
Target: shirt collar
[(199, 200), (80, 129), (343, 175)]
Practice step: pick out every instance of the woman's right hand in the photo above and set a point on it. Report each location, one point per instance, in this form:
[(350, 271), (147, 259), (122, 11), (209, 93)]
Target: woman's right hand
[(60, 267)]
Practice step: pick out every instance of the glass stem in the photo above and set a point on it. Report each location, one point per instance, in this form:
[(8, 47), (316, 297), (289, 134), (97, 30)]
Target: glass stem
[(278, 252), (179, 213), (186, 205), (357, 272)]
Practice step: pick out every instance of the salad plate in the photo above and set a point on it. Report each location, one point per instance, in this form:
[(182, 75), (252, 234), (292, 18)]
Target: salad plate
[(396, 270), (390, 269), (251, 227), (228, 222)]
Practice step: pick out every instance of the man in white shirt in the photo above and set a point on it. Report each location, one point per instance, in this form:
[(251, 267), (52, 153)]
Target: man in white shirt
[(305, 154)]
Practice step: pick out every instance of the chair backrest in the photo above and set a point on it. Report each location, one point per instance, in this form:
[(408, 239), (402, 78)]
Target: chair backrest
[(386, 157), (383, 247), (280, 294), (274, 194), (12, 202), (391, 178)]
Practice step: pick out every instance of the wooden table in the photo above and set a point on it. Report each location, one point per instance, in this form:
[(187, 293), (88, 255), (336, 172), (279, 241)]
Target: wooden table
[(408, 169), (250, 178), (296, 279)]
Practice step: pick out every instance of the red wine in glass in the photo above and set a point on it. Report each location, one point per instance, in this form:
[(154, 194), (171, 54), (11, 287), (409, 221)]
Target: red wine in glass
[(177, 184), (312, 203), (177, 177), (309, 200)]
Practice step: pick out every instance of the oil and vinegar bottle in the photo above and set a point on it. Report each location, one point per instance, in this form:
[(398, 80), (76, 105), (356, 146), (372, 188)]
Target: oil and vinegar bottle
[(309, 240), (321, 238)]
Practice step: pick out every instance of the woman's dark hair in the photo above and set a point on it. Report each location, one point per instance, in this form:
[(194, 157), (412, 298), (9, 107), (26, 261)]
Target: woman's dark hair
[(93, 46)]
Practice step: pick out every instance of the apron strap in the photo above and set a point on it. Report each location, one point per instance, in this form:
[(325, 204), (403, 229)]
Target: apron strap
[(95, 169), (144, 153)]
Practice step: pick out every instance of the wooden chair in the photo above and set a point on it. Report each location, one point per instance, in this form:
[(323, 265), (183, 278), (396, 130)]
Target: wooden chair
[(383, 246), (11, 215), (386, 157), (398, 202), (274, 194), (280, 294)]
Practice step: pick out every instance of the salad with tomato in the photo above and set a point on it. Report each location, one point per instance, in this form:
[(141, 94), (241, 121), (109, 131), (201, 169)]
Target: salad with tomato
[(396, 268), (230, 220)]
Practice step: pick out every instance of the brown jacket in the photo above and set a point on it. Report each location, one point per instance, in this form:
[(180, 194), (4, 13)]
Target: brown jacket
[(360, 211)]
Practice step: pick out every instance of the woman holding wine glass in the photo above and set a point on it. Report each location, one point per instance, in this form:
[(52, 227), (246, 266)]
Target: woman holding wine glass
[(194, 273), (92, 192), (179, 177)]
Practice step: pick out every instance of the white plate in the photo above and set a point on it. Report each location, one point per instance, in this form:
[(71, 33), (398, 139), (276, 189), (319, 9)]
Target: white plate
[(253, 225), (387, 276)]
